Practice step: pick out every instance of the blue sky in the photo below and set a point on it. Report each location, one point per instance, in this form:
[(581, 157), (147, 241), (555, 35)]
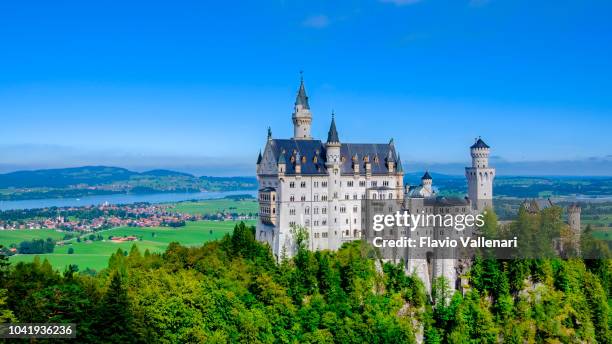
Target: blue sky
[(193, 85)]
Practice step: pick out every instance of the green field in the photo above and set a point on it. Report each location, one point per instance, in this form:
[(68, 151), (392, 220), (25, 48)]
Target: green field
[(216, 206), (8, 237), (95, 254)]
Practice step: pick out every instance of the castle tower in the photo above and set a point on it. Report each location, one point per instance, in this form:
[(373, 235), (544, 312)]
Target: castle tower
[(332, 152), (426, 181), (573, 217), (302, 118), (480, 177)]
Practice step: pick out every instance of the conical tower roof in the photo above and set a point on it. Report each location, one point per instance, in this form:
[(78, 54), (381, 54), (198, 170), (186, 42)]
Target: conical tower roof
[(332, 135)]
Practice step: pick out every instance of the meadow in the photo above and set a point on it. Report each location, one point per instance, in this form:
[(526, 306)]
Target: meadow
[(8, 237), (95, 254)]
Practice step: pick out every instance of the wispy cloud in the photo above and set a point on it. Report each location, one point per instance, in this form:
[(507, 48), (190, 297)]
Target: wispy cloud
[(317, 22), (401, 2)]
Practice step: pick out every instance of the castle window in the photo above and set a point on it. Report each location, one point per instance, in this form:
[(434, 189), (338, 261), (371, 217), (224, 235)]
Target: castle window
[(354, 196), (315, 210), (349, 183), (316, 184), (316, 197), (303, 159), (292, 198), (376, 159), (343, 209), (324, 210), (292, 184), (385, 183), (346, 196), (307, 211), (314, 159), (303, 198), (354, 209), (362, 183), (324, 234), (324, 184), (343, 159), (303, 184), (292, 211), (390, 196), (291, 223)]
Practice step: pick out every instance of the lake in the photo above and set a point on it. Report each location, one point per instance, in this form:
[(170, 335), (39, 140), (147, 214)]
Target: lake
[(118, 199)]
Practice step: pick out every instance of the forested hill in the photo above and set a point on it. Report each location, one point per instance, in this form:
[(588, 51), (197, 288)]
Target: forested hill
[(92, 180)]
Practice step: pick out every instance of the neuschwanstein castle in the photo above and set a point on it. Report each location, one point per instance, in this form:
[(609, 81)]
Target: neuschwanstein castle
[(321, 186)]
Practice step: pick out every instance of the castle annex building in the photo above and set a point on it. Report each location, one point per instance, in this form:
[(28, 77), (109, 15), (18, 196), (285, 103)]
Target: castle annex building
[(320, 185)]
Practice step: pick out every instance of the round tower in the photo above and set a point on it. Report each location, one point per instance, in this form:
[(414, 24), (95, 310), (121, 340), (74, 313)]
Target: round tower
[(332, 163), (573, 217), (427, 181), (302, 118), (480, 177)]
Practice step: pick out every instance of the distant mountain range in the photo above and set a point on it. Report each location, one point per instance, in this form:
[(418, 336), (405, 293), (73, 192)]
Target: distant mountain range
[(99, 180)]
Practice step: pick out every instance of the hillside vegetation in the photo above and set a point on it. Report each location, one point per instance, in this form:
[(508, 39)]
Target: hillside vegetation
[(233, 290)]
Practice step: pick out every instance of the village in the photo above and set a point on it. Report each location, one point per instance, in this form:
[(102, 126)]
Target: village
[(105, 216)]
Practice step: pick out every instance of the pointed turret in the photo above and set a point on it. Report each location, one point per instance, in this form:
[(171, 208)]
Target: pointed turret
[(302, 98), (426, 176), (302, 118), (269, 133), (399, 164), (332, 135), (259, 158)]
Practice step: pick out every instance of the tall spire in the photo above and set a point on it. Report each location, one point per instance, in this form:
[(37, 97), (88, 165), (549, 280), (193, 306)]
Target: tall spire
[(332, 135), (259, 157), (302, 98), (269, 133)]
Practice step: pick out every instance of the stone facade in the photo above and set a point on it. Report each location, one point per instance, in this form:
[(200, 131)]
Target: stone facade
[(321, 186)]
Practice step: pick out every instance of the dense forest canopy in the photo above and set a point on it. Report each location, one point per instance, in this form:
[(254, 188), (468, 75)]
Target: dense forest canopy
[(233, 290)]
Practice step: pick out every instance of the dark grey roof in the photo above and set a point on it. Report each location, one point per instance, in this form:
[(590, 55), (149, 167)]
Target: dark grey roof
[(281, 158), (259, 158), (479, 144), (390, 156), (308, 149), (302, 98), (426, 176), (332, 135), (442, 201), (267, 189)]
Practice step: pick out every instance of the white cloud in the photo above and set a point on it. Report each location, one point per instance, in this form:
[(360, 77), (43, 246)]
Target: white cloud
[(318, 22), (401, 2)]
